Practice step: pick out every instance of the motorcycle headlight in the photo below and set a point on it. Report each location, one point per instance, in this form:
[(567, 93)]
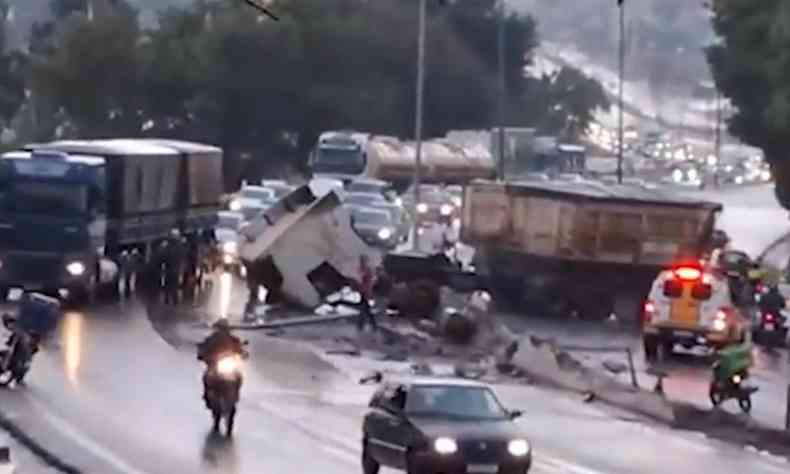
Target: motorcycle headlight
[(398, 201), (230, 247), (736, 379), (719, 325), (385, 233), (422, 208), (75, 268), (235, 205), (446, 209), (228, 365), (227, 259), (445, 446), (518, 447)]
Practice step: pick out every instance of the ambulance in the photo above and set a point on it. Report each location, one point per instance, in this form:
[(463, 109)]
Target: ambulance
[(690, 305)]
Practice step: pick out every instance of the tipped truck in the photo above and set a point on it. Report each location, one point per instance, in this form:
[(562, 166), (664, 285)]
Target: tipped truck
[(581, 247)]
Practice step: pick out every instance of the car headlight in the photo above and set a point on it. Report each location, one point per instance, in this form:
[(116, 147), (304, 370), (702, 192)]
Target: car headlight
[(227, 259), (230, 247), (457, 202), (385, 233), (445, 445), (518, 447), (235, 205), (75, 268), (422, 208), (446, 209), (398, 201)]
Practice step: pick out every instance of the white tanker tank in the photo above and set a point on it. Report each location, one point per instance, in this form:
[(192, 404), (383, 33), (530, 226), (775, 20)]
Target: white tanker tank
[(347, 155)]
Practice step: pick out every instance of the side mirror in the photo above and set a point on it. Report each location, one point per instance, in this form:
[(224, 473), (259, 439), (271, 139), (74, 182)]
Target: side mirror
[(515, 414)]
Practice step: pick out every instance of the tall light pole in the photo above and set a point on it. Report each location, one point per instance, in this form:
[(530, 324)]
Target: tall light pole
[(502, 89), (621, 72), (418, 117)]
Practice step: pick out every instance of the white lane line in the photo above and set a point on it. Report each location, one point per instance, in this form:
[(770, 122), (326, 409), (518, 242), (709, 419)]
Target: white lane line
[(567, 466), (85, 442)]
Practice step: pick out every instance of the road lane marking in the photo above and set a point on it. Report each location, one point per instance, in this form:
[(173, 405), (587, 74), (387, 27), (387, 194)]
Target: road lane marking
[(341, 454), (88, 444)]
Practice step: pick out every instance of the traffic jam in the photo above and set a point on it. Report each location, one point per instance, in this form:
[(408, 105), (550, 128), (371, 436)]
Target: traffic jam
[(388, 252)]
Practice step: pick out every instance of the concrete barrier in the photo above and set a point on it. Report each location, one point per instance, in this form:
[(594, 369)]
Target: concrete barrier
[(559, 369)]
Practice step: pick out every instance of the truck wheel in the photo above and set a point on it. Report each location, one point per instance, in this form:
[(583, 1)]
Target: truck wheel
[(426, 298)]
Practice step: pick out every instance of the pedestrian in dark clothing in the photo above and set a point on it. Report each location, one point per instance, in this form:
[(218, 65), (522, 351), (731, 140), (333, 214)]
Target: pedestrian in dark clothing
[(365, 288), (382, 288), (174, 264)]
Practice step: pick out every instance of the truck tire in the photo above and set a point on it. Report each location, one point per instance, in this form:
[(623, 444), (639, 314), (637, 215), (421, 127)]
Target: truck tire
[(425, 298)]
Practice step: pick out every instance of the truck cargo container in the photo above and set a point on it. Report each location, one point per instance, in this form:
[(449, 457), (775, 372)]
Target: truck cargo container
[(580, 246)]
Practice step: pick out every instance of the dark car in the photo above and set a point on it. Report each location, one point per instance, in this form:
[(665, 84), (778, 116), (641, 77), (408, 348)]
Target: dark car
[(442, 425), (375, 226)]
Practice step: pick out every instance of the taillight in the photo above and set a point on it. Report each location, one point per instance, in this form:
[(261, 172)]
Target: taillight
[(648, 311), (720, 320), (768, 317), (721, 314)]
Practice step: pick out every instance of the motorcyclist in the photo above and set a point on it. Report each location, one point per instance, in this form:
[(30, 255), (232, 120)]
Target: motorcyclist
[(772, 302), (733, 359), (220, 341)]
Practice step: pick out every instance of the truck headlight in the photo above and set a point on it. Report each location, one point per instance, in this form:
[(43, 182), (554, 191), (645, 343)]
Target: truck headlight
[(235, 205), (445, 445), (422, 208), (230, 247), (385, 233), (518, 447), (75, 268), (446, 209)]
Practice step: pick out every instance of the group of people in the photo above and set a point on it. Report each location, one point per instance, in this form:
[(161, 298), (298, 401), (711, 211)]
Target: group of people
[(177, 266)]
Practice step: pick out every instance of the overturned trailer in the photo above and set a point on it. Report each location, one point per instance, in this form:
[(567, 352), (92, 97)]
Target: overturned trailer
[(582, 247), (303, 248)]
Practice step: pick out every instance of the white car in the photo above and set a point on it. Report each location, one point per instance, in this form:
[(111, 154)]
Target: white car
[(253, 197)]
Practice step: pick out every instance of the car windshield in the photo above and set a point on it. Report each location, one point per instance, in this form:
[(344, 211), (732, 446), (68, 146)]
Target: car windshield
[(262, 194), (363, 199), (371, 217), (231, 222), (459, 402), (363, 187)]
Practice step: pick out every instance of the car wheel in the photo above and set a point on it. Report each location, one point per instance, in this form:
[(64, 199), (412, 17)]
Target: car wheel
[(369, 465)]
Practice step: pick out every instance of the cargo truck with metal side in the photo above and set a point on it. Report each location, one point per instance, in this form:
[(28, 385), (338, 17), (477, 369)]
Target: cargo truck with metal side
[(68, 209), (348, 155), (580, 246)]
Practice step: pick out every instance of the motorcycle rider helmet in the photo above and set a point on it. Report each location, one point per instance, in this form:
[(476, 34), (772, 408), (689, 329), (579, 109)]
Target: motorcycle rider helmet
[(222, 324)]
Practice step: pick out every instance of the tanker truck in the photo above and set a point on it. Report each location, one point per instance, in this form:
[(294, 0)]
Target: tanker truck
[(565, 247), (348, 155)]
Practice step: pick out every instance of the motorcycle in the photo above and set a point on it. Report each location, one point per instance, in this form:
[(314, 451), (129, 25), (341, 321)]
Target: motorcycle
[(771, 328), (723, 389), (225, 379), (16, 358)]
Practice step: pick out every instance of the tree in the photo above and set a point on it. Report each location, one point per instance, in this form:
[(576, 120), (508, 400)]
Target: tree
[(93, 76), (750, 64)]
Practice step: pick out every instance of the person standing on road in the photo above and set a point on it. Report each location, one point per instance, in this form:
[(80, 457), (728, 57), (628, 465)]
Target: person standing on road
[(174, 261), (366, 283)]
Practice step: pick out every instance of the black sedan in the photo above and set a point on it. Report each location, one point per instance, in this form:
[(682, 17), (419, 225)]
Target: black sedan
[(438, 425)]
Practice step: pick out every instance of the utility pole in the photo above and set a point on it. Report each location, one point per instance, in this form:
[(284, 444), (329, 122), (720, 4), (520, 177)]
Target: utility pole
[(418, 118), (502, 89), (621, 72), (719, 113)]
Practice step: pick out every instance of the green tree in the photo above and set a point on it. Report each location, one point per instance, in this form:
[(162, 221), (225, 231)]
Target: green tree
[(750, 64)]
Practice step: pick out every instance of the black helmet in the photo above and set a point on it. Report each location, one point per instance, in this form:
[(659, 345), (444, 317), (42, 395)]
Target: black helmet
[(222, 324)]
